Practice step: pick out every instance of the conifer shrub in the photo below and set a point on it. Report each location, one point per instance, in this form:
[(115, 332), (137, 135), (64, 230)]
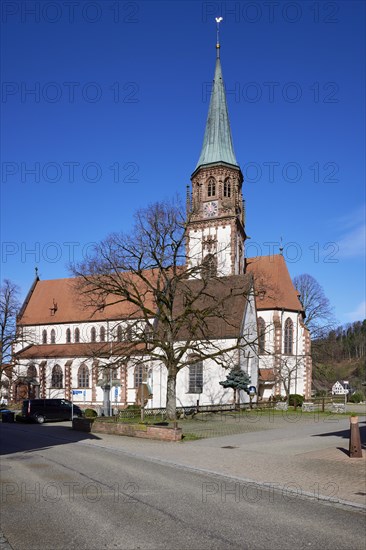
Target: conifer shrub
[(90, 413), (294, 397), (357, 397)]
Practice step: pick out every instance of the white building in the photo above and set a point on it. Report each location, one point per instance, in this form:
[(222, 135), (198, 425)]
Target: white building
[(339, 389)]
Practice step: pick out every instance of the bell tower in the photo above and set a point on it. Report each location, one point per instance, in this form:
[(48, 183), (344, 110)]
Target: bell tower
[(215, 208)]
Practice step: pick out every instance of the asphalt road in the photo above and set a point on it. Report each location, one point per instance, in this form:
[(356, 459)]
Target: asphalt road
[(60, 492)]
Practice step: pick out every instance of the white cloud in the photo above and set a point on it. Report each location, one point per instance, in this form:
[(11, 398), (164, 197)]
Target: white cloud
[(351, 227), (353, 243), (359, 314)]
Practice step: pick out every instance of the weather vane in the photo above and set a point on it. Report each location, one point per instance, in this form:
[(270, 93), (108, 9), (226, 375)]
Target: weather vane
[(218, 21)]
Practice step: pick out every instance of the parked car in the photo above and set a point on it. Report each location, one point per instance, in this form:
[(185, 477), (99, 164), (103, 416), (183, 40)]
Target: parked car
[(43, 410)]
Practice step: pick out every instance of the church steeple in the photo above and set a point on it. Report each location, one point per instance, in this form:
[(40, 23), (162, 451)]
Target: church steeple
[(217, 142), (215, 224)]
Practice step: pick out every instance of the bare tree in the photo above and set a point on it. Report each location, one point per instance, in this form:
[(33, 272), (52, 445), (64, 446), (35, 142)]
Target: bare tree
[(9, 308), (286, 371), (171, 309), (319, 317)]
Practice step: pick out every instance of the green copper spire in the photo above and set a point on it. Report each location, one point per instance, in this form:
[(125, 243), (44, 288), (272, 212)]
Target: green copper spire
[(217, 143)]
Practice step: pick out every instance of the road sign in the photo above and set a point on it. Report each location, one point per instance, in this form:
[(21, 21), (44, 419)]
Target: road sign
[(76, 392), (252, 390), (115, 393)]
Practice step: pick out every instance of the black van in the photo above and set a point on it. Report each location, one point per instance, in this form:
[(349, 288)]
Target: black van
[(42, 410)]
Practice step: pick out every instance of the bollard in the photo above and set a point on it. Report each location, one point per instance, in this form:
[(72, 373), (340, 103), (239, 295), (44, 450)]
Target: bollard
[(355, 450)]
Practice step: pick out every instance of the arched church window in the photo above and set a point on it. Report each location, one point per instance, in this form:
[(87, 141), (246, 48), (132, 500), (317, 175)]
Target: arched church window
[(261, 335), (93, 334), (44, 337), (119, 333), (83, 376), (77, 335), (210, 265), (129, 333), (288, 340), (31, 372), (102, 334), (68, 336), (211, 188), (53, 336), (57, 377), (227, 188)]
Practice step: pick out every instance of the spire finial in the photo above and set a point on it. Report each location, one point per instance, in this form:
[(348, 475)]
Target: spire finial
[(281, 246), (218, 21), (36, 270)]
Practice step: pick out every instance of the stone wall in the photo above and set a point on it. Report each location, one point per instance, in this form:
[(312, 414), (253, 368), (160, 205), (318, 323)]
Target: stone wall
[(163, 433)]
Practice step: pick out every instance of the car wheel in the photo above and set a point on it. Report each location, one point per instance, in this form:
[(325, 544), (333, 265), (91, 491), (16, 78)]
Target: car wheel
[(40, 419)]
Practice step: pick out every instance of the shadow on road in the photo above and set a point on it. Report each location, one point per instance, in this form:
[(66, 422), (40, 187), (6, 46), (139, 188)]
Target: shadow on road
[(20, 437), (345, 434)]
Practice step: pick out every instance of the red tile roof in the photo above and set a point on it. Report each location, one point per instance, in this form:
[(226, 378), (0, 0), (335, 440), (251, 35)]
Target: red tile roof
[(70, 307), (274, 290), (273, 285), (89, 349), (267, 375), (218, 308)]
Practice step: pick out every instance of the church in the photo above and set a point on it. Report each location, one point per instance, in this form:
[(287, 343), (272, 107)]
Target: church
[(63, 347)]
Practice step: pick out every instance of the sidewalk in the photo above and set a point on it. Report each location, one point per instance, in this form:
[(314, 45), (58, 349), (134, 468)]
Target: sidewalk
[(299, 458)]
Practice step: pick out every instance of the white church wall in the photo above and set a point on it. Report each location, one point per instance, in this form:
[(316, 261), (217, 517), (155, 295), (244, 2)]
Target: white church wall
[(293, 365)]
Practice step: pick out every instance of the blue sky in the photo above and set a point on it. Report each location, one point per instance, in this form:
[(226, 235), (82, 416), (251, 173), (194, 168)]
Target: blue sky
[(104, 105)]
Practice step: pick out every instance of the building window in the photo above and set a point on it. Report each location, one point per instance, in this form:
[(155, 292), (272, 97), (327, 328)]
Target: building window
[(227, 188), (139, 375), (196, 377), (44, 337), (288, 341), (31, 372), (93, 335), (210, 265), (129, 333), (57, 377), (119, 333), (261, 335), (53, 336), (68, 336), (211, 188), (102, 334), (83, 377), (77, 335)]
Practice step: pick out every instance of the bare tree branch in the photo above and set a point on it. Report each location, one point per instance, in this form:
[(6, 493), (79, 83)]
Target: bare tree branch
[(175, 313)]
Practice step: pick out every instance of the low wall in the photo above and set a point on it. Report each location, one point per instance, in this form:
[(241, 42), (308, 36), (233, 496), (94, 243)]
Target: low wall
[(164, 433)]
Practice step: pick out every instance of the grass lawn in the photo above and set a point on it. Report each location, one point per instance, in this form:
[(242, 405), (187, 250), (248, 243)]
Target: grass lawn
[(205, 425)]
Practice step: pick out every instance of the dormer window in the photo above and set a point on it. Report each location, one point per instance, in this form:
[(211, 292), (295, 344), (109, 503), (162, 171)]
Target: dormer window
[(211, 188)]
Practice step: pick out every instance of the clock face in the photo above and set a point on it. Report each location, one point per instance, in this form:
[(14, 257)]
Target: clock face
[(210, 209)]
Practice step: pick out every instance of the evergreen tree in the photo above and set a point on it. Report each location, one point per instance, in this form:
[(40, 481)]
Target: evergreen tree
[(237, 380)]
